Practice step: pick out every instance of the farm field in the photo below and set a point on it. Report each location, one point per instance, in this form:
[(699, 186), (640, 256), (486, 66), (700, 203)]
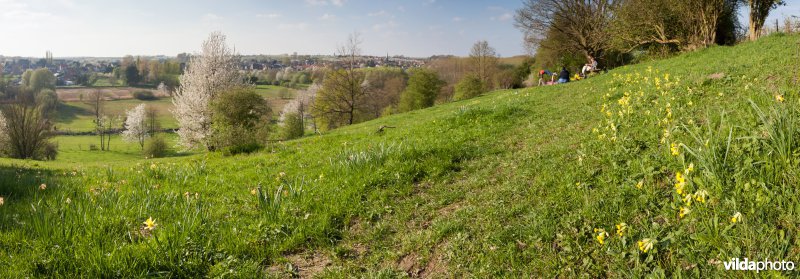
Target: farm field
[(660, 169), (77, 116)]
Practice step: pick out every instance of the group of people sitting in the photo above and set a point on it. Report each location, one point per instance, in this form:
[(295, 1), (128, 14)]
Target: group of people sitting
[(564, 75)]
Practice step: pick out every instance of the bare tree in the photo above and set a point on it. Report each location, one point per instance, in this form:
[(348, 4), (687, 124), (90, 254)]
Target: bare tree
[(343, 91), (759, 10), (212, 72), (27, 130), (583, 24), (484, 60)]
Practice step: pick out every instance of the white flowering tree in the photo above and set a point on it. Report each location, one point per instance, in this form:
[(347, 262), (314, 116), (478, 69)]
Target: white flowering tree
[(3, 133), (213, 71), (297, 111), (136, 129)]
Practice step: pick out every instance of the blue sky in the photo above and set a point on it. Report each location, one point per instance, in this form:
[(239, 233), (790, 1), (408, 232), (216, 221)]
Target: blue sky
[(169, 27), (116, 28)]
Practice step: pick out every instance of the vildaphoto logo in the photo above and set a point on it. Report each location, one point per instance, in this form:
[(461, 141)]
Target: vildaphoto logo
[(758, 266)]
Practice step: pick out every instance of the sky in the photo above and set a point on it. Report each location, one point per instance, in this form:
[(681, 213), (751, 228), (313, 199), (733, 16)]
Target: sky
[(418, 28)]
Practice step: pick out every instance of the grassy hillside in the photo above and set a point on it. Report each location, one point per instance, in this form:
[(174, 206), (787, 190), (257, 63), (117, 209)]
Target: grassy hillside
[(516, 183)]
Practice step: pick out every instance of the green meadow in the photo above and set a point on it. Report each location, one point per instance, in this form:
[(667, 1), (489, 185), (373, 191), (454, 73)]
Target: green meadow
[(664, 169)]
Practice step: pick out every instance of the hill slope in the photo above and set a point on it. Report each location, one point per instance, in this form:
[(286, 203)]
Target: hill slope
[(516, 183)]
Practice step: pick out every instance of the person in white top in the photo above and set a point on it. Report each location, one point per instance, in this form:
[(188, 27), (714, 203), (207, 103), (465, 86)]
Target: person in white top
[(589, 67)]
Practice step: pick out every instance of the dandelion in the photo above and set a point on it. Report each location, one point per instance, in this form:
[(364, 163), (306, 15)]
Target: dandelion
[(150, 224), (621, 229), (779, 98), (684, 211), (640, 185), (43, 186), (736, 218), (645, 245), (601, 235), (674, 148), (701, 196)]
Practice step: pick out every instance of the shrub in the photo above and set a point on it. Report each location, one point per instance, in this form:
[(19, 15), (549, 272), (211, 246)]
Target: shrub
[(93, 147), (241, 116), (469, 87), (50, 151), (155, 147), (292, 126), (144, 95), (245, 148)]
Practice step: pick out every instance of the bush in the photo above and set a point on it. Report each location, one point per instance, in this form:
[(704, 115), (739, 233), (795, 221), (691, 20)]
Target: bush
[(241, 116), (245, 148), (292, 126), (469, 87), (145, 95), (50, 151), (155, 147)]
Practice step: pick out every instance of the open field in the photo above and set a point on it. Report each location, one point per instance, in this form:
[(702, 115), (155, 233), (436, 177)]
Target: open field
[(76, 94), (77, 116), (588, 179)]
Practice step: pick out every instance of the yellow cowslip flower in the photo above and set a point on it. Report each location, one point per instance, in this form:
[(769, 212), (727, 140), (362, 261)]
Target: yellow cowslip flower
[(621, 229), (680, 183), (701, 196), (640, 185), (689, 169), (684, 211), (779, 98), (601, 235), (645, 245), (153, 166), (2, 201), (674, 149), (688, 199), (43, 186), (150, 224), (253, 192), (736, 218)]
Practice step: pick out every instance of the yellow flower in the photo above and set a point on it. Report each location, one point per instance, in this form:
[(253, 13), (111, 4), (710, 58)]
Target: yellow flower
[(681, 182), (736, 218), (689, 169), (2, 201), (153, 166), (640, 185), (779, 98), (254, 191), (646, 244), (621, 229), (688, 199), (601, 235), (150, 224), (675, 150), (43, 186), (684, 211), (701, 196)]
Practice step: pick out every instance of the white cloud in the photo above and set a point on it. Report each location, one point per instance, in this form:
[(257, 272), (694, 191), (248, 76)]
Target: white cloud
[(293, 26), (503, 17), (378, 13), (270, 15), (428, 2), (386, 25), (457, 19), (337, 3), (401, 9), (327, 16)]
